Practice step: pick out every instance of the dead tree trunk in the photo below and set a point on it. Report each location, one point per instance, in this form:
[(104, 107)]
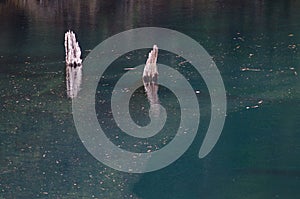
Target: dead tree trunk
[(72, 49), (150, 77), (150, 73), (73, 64)]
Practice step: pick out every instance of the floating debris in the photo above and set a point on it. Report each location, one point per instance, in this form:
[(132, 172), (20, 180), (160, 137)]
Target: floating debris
[(73, 64), (292, 46), (240, 38), (251, 69), (129, 69), (293, 69), (183, 62), (255, 106)]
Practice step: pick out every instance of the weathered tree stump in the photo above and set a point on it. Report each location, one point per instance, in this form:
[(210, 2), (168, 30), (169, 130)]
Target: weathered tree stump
[(150, 77), (73, 64), (150, 73), (72, 49)]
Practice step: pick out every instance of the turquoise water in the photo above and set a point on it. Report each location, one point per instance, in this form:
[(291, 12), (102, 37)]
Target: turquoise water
[(255, 45)]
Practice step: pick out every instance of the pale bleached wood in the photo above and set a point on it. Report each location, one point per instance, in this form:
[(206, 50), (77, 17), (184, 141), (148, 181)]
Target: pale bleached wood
[(73, 64), (150, 71), (72, 49), (150, 77)]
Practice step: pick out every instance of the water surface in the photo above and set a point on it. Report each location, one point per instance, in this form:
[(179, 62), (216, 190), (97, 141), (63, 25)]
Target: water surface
[(255, 45)]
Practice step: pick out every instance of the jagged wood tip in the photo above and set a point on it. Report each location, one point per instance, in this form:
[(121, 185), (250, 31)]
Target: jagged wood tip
[(73, 64), (72, 49), (150, 71)]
